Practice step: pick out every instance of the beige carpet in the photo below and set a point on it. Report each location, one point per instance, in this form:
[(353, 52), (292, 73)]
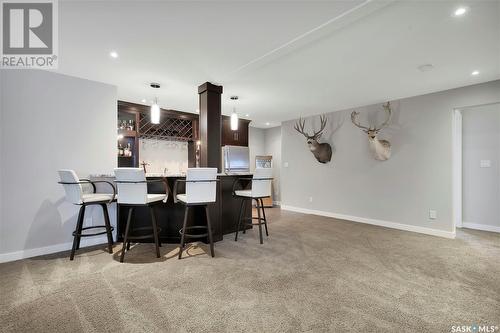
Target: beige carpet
[(312, 274)]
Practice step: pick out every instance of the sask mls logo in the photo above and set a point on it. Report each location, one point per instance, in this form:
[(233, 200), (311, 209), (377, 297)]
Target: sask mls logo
[(29, 34)]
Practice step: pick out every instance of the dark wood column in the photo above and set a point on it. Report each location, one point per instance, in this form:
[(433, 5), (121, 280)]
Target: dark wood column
[(210, 124)]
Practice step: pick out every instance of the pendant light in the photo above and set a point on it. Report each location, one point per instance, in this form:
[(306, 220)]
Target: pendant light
[(155, 112), (234, 116), (155, 108)]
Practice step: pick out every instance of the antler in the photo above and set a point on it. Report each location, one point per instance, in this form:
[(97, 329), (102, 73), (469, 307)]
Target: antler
[(322, 128), (354, 119), (299, 127), (387, 108)]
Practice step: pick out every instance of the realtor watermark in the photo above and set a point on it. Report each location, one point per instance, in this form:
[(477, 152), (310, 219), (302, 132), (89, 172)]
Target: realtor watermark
[(29, 36), (474, 328)]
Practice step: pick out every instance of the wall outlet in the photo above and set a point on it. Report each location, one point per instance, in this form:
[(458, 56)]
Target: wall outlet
[(485, 164), (432, 214), (310, 199)]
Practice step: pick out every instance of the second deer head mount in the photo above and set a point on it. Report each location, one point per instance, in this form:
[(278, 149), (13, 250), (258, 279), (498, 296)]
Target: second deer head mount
[(322, 151), (381, 149)]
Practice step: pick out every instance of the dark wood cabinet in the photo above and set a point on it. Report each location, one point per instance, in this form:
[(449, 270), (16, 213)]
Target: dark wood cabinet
[(234, 138), (174, 125), (128, 138)]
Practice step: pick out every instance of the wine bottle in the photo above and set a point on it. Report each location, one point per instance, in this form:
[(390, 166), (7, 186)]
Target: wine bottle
[(128, 150), (120, 150)]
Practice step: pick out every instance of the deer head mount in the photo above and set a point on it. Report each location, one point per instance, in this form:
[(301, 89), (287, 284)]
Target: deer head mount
[(322, 151), (381, 149)]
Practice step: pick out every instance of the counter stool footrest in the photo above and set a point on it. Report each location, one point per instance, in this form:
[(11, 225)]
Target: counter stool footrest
[(249, 221), (199, 227), (75, 233)]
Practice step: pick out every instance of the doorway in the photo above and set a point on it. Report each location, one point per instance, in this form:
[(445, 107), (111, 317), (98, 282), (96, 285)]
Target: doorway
[(476, 171)]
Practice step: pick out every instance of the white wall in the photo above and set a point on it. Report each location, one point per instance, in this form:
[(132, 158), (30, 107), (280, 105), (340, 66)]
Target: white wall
[(273, 148), (49, 121), (481, 185), (256, 144), (267, 141), (2, 99), (161, 154), (398, 192)]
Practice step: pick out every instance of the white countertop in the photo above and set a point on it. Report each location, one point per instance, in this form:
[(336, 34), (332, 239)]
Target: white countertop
[(152, 174)]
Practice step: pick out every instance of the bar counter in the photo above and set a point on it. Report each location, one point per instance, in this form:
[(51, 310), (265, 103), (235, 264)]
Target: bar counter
[(224, 212)]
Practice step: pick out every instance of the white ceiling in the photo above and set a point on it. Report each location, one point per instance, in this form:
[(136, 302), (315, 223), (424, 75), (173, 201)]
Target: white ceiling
[(284, 59)]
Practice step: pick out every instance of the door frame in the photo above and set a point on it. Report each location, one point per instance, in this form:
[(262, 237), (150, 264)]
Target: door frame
[(457, 167), (457, 171)]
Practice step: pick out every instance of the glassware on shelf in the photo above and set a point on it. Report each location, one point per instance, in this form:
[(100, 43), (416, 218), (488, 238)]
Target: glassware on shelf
[(127, 151), (121, 151)]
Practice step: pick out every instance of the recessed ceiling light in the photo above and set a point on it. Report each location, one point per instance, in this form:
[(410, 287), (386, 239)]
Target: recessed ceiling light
[(143, 100), (113, 54), (425, 67), (247, 115), (475, 73), (267, 124), (197, 110), (460, 11)]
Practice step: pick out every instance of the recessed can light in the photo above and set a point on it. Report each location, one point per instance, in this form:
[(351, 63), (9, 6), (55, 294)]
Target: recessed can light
[(475, 73), (267, 124), (247, 115), (460, 11), (143, 100), (425, 67), (113, 54)]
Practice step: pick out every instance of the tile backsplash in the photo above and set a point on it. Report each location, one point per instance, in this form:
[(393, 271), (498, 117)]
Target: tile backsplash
[(161, 154)]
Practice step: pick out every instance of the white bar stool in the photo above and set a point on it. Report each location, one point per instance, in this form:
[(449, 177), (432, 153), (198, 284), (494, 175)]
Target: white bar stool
[(133, 192), (74, 193), (261, 188), (201, 190)]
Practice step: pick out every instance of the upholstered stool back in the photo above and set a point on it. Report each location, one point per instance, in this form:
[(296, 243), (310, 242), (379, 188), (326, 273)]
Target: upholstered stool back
[(132, 186), (74, 191), (261, 182), (203, 191)]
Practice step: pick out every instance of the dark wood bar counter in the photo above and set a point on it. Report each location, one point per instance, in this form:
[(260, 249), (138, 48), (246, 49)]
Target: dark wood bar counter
[(169, 215)]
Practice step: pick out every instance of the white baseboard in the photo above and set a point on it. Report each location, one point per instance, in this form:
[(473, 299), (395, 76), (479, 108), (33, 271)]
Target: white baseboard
[(23, 254), (381, 223), (483, 227)]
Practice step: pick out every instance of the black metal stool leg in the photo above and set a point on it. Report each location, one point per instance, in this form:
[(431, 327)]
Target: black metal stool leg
[(81, 230), (209, 226), (244, 212), (184, 225), (127, 229), (260, 223), (155, 231), (133, 219), (264, 214), (78, 231), (239, 220), (108, 227)]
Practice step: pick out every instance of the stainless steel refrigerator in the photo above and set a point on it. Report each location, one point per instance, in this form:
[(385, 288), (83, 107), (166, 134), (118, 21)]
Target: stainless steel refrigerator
[(235, 159)]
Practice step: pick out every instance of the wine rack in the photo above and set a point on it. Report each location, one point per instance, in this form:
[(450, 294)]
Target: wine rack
[(168, 129)]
